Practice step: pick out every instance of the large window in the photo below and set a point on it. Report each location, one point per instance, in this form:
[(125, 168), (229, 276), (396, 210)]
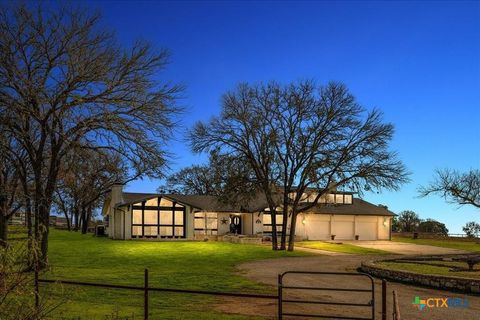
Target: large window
[(158, 218), (206, 223), (267, 223)]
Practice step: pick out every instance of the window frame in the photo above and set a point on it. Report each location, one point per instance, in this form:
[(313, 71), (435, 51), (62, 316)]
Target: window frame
[(173, 209)]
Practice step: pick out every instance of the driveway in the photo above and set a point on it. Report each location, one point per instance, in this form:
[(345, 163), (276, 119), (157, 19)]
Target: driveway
[(404, 248), (266, 271)]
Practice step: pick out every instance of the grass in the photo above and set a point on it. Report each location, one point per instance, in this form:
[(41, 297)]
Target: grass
[(424, 268), (471, 246), (340, 247), (187, 265)]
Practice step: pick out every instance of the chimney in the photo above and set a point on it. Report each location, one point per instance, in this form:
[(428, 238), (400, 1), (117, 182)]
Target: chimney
[(332, 186), (116, 193)]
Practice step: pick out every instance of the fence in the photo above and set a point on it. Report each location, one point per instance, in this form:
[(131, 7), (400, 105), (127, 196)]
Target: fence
[(279, 297)]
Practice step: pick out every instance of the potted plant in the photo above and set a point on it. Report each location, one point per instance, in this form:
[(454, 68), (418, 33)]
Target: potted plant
[(357, 237), (333, 237)]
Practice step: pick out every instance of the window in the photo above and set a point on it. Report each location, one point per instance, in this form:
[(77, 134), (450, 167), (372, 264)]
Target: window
[(339, 198), (267, 222), (348, 199), (158, 217), (206, 223)]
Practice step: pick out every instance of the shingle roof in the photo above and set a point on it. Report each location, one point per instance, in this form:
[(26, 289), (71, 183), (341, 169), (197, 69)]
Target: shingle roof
[(358, 207), (211, 203)]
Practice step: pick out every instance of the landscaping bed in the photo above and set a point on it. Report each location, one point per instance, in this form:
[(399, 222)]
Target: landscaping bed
[(450, 272)]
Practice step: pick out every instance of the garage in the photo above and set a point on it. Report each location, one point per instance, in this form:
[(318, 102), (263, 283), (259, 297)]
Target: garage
[(343, 227), (317, 227), (366, 228)]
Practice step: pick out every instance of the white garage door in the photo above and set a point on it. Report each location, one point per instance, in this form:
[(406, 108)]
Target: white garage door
[(317, 227), (343, 230), (367, 230)]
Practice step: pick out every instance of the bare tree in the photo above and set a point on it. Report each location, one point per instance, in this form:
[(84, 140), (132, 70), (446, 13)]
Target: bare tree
[(455, 187), (227, 177), (83, 182), (64, 83), (301, 136)]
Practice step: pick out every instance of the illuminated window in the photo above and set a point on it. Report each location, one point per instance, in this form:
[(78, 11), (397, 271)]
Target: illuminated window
[(158, 217), (348, 199), (267, 222), (339, 198), (206, 223)]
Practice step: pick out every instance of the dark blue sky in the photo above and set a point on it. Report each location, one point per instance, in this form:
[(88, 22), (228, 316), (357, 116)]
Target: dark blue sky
[(417, 61)]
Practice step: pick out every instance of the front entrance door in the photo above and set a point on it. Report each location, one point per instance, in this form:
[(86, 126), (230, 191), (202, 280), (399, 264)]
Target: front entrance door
[(235, 224)]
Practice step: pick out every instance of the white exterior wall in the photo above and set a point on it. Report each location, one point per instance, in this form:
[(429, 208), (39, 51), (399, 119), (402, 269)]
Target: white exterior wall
[(257, 223), (189, 223), (384, 225), (223, 228)]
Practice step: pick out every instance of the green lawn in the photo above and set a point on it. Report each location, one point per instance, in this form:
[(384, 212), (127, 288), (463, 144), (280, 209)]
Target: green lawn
[(447, 243), (433, 269), (340, 247), (187, 265)]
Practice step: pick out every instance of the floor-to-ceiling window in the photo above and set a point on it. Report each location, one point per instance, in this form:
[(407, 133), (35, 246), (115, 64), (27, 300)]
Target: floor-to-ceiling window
[(158, 218)]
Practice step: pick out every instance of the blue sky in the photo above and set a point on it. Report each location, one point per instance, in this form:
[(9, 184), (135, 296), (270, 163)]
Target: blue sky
[(419, 62)]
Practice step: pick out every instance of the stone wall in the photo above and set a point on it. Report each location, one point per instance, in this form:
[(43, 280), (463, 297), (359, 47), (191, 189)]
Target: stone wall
[(463, 285)]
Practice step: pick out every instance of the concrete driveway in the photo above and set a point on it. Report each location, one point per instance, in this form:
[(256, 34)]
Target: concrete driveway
[(404, 248)]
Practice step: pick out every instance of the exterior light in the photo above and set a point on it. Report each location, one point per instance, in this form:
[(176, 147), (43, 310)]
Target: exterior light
[(385, 222), (304, 221)]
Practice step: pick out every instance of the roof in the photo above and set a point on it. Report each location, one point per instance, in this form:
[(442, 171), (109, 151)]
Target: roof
[(358, 207), (211, 203)]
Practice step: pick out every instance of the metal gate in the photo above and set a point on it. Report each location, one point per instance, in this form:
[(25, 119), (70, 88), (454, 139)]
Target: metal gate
[(281, 293)]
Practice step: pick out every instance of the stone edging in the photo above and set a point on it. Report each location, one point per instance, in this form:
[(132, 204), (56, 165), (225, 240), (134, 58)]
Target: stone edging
[(464, 285)]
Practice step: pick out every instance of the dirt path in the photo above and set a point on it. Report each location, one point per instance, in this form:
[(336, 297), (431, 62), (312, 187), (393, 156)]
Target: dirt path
[(266, 271)]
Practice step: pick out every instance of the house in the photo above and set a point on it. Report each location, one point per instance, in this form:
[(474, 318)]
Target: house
[(195, 217)]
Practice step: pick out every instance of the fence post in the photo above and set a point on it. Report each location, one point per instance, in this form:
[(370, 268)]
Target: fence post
[(384, 299), (396, 308), (37, 293), (145, 297), (280, 311)]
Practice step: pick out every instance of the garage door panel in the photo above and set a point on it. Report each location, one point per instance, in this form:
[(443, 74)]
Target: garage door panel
[(343, 230), (367, 230), (318, 230)]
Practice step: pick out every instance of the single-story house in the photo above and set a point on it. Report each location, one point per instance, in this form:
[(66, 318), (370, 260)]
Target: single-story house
[(175, 216)]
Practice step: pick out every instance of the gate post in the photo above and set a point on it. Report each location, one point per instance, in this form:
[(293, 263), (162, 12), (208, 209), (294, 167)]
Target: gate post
[(280, 312), (384, 299), (145, 296)]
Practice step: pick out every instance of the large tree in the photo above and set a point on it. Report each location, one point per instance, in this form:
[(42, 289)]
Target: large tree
[(302, 136), (83, 182), (227, 177), (65, 83), (432, 226), (406, 221), (455, 187)]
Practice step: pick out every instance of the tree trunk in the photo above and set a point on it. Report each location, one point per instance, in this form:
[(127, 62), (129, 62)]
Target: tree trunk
[(3, 226), (291, 240), (28, 216), (86, 218), (43, 229), (76, 216), (283, 245), (273, 215)]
